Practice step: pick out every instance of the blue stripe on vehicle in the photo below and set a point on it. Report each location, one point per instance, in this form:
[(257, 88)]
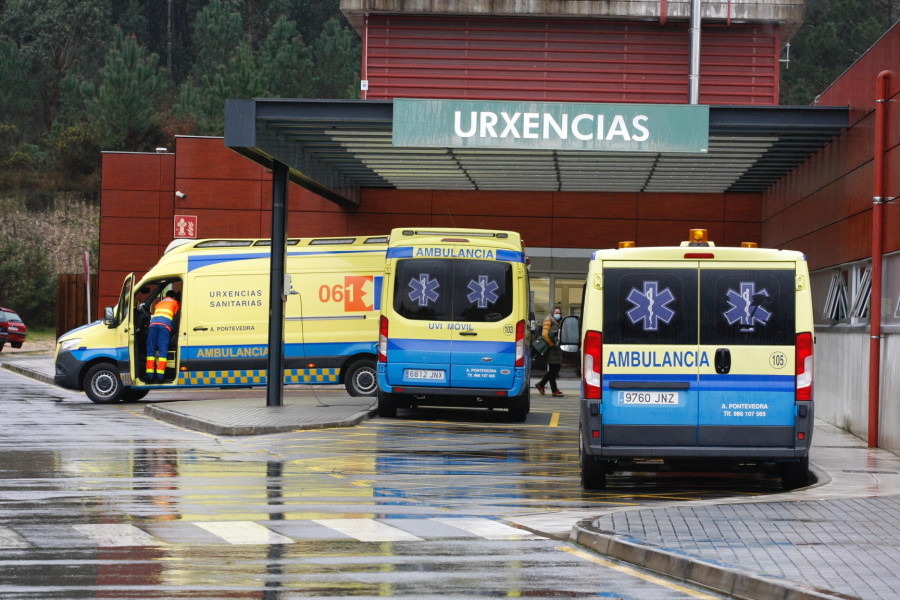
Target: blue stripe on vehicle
[(197, 262)]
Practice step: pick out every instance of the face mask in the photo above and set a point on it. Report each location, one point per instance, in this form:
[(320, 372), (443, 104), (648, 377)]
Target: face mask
[(557, 317)]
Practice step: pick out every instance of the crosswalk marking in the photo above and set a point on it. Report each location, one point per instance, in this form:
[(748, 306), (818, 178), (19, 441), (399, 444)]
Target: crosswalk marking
[(367, 530), (116, 534), (244, 532), (489, 530), (252, 532), (11, 539)]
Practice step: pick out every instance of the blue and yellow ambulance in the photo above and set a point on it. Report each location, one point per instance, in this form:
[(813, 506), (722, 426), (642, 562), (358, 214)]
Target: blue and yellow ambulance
[(694, 354), (453, 321), (219, 335)]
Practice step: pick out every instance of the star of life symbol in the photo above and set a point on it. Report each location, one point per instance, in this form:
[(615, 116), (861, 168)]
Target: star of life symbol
[(650, 306), (745, 306), (424, 289), (483, 291)]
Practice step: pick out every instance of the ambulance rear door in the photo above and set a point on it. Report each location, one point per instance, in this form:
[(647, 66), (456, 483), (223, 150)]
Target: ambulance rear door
[(420, 340), (747, 329), (651, 360), (482, 329)]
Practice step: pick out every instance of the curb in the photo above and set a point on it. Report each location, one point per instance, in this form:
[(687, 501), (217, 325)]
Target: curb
[(709, 574), (28, 373), (182, 420)]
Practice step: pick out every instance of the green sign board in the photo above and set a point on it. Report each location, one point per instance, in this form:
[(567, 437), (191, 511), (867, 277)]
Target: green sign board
[(551, 125)]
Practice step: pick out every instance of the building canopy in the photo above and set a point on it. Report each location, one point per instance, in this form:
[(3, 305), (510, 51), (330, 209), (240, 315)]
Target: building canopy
[(335, 148)]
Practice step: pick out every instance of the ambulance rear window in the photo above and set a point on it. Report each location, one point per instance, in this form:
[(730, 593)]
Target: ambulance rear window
[(650, 306), (453, 290), (747, 307)]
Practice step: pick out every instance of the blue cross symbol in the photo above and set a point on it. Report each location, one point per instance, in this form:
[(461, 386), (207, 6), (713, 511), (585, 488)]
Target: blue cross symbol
[(423, 289), (483, 291), (650, 306), (746, 306)]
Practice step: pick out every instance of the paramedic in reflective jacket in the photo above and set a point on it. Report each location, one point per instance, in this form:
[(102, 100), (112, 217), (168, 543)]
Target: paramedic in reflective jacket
[(161, 324)]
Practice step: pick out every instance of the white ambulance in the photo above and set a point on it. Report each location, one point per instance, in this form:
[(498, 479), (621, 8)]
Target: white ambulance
[(220, 337), (695, 354)]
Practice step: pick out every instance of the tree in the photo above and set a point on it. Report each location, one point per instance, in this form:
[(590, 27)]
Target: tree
[(16, 87), (125, 103), (337, 55), (834, 34), (56, 38), (286, 61)]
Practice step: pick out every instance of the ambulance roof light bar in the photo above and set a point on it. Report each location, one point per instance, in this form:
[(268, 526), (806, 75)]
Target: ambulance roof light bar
[(628, 244), (698, 237)]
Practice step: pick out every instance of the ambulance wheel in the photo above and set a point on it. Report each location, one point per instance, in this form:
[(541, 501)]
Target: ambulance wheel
[(795, 474), (102, 384), (519, 407), (593, 472), (133, 395), (361, 378), (387, 405)]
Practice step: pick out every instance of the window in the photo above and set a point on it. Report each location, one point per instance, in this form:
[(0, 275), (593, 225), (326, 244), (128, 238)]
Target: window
[(453, 290)]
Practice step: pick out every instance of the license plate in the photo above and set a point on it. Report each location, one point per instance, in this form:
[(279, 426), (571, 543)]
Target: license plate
[(649, 398), (424, 374)]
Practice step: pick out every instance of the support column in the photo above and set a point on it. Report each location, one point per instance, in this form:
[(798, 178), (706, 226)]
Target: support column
[(277, 297)]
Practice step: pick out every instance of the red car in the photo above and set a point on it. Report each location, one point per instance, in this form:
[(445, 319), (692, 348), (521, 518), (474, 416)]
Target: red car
[(14, 326)]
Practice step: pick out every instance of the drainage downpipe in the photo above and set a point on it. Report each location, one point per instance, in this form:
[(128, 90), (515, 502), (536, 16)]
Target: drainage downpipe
[(882, 86), (694, 77)]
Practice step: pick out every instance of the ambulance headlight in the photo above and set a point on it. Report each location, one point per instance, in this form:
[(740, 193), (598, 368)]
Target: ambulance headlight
[(68, 345)]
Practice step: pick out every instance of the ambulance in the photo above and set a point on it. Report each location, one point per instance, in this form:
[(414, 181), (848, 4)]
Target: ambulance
[(453, 321), (695, 355), (220, 334)]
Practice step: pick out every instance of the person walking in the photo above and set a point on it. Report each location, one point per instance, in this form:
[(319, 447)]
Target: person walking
[(161, 324), (550, 333)]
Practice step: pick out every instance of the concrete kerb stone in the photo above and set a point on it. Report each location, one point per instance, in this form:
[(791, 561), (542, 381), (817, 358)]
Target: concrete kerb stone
[(28, 372), (162, 413), (682, 567)]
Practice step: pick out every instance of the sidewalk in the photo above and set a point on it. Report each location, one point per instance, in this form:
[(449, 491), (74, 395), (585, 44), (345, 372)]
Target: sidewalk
[(839, 538)]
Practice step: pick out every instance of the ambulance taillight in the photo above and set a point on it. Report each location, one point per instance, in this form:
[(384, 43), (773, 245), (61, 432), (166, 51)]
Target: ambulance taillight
[(520, 344), (804, 373), (382, 339), (592, 365)]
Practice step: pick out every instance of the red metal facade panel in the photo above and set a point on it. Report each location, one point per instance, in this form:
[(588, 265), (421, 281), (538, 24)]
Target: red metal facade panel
[(560, 60)]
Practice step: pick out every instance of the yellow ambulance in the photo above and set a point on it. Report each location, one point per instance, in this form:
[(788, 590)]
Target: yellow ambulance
[(453, 321), (695, 354), (220, 334)]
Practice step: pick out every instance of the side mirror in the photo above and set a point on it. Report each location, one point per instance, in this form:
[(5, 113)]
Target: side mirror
[(109, 316), (570, 334)]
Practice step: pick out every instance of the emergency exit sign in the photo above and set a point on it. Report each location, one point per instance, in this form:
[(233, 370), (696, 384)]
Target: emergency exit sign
[(551, 125)]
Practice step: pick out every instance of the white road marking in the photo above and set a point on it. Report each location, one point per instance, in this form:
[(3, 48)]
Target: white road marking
[(368, 530), (11, 539), (489, 530), (244, 532), (117, 534)]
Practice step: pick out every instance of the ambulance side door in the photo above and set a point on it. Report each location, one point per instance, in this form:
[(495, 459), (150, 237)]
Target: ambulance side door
[(747, 329)]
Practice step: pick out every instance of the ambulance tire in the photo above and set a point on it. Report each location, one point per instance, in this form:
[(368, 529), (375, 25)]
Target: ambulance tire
[(102, 384), (593, 472), (133, 395), (519, 407), (361, 378), (387, 405), (795, 474)]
